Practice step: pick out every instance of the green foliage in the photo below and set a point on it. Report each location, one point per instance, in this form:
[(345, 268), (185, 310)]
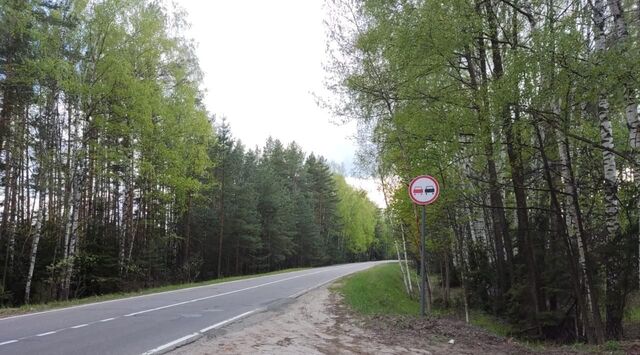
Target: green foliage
[(379, 290), (358, 215), (104, 131), (491, 323), (508, 105), (612, 345)]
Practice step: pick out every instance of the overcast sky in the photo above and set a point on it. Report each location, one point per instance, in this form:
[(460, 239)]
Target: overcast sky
[(263, 61)]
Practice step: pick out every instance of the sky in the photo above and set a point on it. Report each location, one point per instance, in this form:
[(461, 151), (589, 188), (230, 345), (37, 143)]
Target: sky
[(263, 63)]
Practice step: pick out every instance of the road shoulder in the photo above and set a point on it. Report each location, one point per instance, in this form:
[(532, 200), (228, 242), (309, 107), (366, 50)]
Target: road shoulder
[(319, 323)]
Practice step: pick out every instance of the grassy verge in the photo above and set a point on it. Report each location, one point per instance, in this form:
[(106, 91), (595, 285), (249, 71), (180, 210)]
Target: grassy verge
[(6, 312), (632, 314), (380, 291)]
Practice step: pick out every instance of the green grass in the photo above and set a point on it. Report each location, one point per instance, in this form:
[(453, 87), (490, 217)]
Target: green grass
[(633, 315), (490, 323), (6, 312), (378, 290), (632, 311)]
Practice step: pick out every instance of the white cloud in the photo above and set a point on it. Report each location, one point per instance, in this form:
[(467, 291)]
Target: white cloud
[(371, 187), (262, 62)]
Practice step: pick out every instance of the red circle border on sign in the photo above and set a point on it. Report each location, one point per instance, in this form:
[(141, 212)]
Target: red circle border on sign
[(427, 177)]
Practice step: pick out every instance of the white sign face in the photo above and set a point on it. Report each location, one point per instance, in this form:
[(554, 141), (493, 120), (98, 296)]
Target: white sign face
[(424, 190)]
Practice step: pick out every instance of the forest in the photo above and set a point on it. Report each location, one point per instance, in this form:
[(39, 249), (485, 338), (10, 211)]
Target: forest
[(526, 111), (114, 177)]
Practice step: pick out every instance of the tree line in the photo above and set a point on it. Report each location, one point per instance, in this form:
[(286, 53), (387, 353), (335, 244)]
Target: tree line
[(114, 177), (527, 113)]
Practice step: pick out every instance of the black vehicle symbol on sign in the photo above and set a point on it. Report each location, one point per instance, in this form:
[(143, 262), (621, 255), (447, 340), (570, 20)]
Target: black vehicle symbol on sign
[(429, 189)]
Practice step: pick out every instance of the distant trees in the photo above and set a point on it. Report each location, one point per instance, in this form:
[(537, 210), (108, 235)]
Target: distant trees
[(527, 113), (112, 176), (283, 209)]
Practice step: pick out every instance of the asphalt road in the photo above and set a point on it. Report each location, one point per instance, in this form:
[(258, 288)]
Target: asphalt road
[(158, 322)]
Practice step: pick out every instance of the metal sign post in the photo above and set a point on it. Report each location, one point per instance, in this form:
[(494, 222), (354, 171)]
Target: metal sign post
[(423, 190), (423, 263)]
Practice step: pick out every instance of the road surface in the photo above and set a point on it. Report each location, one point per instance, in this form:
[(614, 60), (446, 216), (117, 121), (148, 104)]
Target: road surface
[(158, 322)]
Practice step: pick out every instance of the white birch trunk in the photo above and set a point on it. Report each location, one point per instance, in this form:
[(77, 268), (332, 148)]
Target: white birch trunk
[(406, 261), (130, 195), (606, 133), (404, 276), (618, 19), (631, 103), (77, 181), (462, 264), (131, 243), (34, 245), (9, 203), (72, 236), (125, 227), (571, 216)]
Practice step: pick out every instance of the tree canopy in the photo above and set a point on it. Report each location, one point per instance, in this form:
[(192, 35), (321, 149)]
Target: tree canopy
[(114, 177), (526, 111)]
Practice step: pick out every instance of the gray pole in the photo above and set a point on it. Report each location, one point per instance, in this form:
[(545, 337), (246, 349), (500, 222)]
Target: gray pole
[(423, 264)]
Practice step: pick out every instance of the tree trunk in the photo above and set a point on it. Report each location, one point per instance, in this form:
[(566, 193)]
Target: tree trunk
[(447, 279), (615, 297), (9, 215), (404, 269), (72, 236), (501, 239), (404, 275), (572, 227), (34, 244), (631, 103), (517, 172), (187, 232), (221, 230)]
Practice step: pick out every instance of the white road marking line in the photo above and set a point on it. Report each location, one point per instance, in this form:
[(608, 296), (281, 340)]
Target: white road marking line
[(151, 294), (300, 293), (173, 343), (219, 295), (188, 338), (218, 325), (47, 333)]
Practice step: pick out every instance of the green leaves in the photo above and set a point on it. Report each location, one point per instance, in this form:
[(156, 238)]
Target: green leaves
[(358, 216), (482, 95)]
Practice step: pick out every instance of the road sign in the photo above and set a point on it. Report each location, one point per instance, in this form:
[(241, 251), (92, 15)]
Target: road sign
[(424, 190)]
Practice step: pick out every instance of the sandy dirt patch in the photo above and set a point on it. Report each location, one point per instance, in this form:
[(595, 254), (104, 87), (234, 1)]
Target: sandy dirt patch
[(318, 323)]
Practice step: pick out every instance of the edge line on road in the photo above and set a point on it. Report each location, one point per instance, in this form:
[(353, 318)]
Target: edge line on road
[(197, 335), (300, 293), (193, 337), (184, 340), (224, 322), (147, 295), (219, 294)]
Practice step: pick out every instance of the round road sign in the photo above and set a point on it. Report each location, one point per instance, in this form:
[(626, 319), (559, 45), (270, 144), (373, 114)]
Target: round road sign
[(424, 190)]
